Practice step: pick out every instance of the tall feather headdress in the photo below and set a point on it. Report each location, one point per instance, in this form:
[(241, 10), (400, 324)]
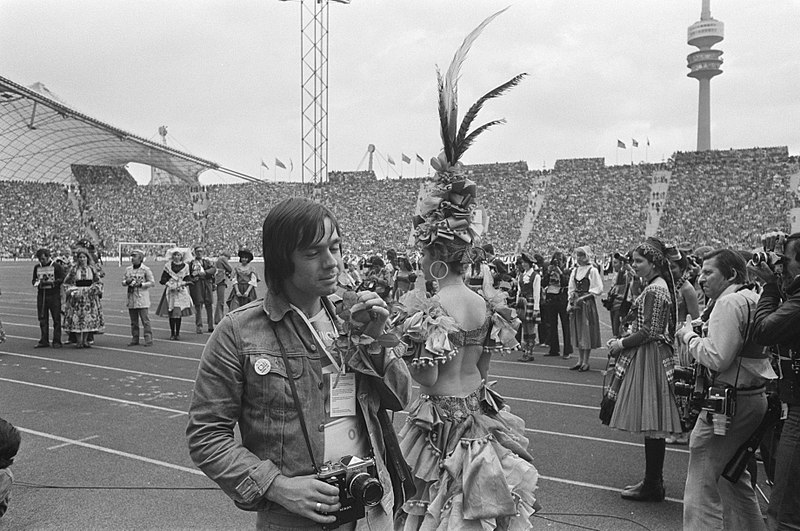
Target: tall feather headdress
[(446, 209)]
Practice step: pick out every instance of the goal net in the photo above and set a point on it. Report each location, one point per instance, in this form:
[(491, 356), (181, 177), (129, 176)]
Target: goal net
[(152, 250)]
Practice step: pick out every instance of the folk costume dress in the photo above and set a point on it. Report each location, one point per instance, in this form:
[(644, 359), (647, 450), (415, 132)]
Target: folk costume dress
[(82, 310), (640, 397), (469, 455), (176, 291), (244, 287), (584, 323)]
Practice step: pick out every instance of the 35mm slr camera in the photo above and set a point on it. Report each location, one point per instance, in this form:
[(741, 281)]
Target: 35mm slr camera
[(358, 484)]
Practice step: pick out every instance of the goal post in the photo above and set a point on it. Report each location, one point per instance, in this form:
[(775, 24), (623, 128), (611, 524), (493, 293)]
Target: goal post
[(156, 249)]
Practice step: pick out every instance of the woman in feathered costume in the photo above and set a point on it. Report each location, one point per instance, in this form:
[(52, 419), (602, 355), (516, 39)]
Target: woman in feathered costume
[(468, 453)]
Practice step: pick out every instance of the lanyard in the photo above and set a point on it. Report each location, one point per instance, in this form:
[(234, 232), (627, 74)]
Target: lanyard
[(340, 369)]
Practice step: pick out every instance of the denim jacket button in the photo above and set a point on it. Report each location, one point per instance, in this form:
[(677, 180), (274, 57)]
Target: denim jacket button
[(313, 348), (321, 426), (321, 385)]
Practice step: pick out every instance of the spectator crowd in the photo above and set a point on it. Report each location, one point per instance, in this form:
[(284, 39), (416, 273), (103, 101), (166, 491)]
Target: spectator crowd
[(580, 201)]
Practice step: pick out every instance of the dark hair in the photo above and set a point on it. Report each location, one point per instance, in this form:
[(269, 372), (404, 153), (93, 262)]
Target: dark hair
[(439, 251), (730, 264), (793, 240), (294, 223), (42, 252), (683, 262), (488, 248), (9, 443)]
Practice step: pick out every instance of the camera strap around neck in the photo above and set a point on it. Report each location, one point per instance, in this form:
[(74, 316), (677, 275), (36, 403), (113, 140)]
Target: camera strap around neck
[(297, 404)]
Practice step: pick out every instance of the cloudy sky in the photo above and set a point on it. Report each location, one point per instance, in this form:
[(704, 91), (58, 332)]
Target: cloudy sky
[(224, 75)]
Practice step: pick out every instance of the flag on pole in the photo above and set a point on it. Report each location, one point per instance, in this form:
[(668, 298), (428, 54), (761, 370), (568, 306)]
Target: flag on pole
[(648, 141), (621, 144), (264, 164), (634, 142), (279, 164), (291, 165), (406, 158), (390, 159), (419, 159)]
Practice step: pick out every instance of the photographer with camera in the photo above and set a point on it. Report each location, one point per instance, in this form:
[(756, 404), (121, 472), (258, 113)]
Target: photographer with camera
[(317, 448), (777, 317), (735, 399)]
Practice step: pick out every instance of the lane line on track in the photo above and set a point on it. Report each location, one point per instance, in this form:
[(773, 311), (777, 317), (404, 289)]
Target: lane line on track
[(119, 453), (103, 367), (117, 349), (63, 445), (596, 486), (92, 395), (127, 336)]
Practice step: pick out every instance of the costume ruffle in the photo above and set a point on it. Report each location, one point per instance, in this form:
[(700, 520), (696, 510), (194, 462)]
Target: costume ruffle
[(423, 329), (471, 465)]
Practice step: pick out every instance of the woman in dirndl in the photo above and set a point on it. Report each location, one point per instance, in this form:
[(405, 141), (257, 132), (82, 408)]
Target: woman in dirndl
[(176, 302), (82, 310), (245, 281), (585, 285), (640, 397), (528, 297)]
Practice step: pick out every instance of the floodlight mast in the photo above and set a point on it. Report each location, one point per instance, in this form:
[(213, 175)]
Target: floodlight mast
[(314, 88)]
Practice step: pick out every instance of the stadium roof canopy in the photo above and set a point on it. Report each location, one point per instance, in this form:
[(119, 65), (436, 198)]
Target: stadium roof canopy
[(41, 137)]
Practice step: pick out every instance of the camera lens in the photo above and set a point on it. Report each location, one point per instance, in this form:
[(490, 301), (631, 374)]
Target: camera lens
[(366, 489)]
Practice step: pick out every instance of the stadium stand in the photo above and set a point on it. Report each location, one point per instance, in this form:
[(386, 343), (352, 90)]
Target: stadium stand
[(720, 198)]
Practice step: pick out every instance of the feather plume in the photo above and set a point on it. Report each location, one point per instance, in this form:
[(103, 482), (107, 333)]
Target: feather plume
[(470, 138), (448, 90), (473, 111)]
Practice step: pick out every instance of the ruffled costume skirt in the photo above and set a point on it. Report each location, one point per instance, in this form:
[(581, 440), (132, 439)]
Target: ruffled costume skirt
[(471, 466)]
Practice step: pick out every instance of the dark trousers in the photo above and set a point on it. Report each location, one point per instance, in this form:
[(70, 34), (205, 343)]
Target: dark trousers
[(219, 311), (784, 503), (136, 314), (557, 309), (48, 304)]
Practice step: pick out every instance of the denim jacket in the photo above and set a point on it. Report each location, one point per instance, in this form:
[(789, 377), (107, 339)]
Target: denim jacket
[(229, 390)]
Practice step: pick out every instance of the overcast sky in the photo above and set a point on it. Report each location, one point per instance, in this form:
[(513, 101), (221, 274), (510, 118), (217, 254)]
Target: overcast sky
[(224, 75)]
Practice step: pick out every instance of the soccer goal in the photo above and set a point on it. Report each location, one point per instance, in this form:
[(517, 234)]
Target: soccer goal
[(151, 249)]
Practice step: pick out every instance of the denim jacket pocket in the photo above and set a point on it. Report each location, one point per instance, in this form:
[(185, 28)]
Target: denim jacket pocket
[(267, 386), (265, 363)]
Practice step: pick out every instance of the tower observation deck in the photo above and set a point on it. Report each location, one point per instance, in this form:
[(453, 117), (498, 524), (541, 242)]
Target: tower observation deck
[(703, 65)]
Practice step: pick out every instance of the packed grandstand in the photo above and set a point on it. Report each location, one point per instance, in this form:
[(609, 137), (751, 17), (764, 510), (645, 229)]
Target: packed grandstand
[(718, 198)]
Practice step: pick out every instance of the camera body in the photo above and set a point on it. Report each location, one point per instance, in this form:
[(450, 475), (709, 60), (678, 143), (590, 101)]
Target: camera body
[(721, 403), (770, 258), (358, 484), (690, 383)]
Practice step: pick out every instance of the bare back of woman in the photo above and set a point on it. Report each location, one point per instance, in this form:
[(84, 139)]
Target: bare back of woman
[(461, 375)]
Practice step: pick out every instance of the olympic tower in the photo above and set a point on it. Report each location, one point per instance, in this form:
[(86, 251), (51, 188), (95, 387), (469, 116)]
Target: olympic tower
[(703, 65)]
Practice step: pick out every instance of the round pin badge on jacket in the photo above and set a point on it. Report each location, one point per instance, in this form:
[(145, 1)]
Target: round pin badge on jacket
[(262, 366)]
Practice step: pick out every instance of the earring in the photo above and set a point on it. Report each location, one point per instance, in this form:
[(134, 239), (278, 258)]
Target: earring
[(436, 265)]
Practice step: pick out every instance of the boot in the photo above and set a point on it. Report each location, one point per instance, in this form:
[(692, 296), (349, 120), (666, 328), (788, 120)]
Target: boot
[(527, 354), (652, 487), (647, 490)]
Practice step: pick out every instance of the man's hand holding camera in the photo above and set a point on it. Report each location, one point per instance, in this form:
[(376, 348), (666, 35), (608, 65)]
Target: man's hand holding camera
[(306, 496)]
